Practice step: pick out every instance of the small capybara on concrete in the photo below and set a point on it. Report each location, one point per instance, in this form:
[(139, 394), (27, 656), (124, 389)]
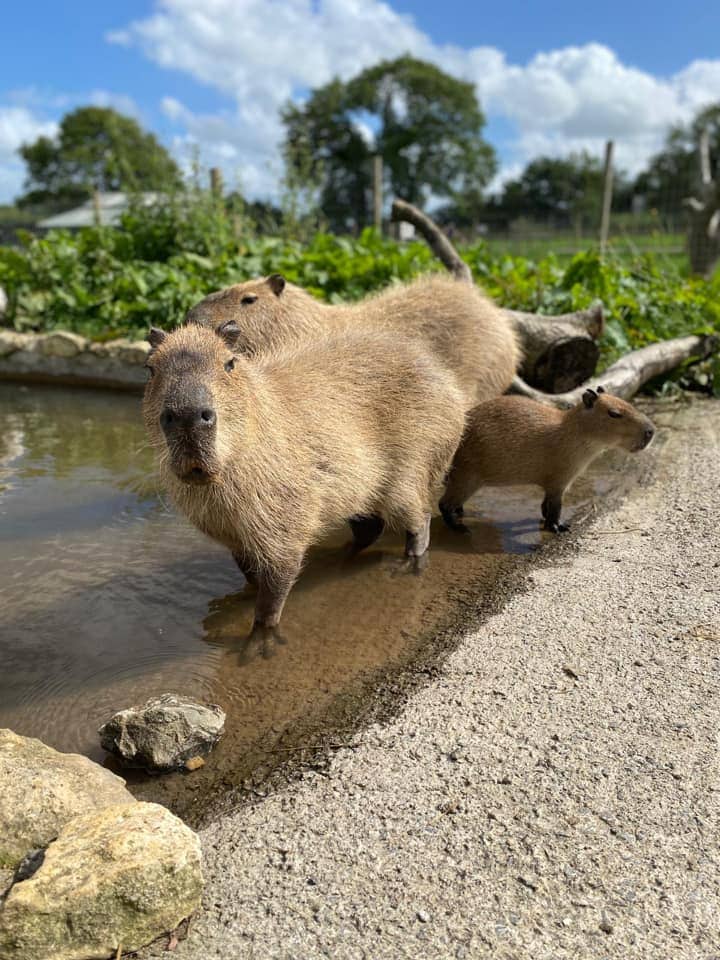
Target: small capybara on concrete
[(466, 332), (515, 440), (266, 456)]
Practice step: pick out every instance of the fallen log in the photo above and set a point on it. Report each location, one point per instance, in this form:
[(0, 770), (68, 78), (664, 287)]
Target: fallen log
[(559, 352), (625, 377)]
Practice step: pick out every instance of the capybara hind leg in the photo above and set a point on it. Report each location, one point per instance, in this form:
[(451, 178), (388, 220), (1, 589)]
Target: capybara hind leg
[(551, 510), (365, 531), (417, 537)]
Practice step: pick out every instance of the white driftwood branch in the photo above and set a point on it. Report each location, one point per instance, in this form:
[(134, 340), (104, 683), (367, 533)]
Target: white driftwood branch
[(625, 377)]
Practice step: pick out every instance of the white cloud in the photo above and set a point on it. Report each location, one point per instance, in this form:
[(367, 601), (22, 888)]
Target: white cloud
[(18, 125), (263, 52)]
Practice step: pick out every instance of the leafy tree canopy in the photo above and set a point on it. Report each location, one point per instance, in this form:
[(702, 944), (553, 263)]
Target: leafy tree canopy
[(426, 125), (96, 148)]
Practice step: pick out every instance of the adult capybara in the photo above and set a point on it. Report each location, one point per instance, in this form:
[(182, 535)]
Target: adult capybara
[(266, 456), (465, 331), (514, 440)]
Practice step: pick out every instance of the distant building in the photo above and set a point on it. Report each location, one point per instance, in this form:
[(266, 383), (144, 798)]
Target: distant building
[(104, 208)]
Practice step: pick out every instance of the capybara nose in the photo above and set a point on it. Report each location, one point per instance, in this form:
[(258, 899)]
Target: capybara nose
[(188, 419)]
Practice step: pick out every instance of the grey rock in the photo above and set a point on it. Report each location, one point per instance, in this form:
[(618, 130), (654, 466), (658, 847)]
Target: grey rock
[(41, 790), (117, 878), (61, 343), (11, 341), (163, 734)]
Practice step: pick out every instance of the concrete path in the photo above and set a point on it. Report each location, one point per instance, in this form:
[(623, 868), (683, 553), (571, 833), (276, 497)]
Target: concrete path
[(554, 794)]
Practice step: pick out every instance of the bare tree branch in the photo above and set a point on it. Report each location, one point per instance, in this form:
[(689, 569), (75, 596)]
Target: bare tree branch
[(436, 239)]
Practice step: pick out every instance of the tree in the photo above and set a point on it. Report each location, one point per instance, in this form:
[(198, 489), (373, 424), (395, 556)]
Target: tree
[(426, 125), (96, 148), (673, 174), (557, 191)]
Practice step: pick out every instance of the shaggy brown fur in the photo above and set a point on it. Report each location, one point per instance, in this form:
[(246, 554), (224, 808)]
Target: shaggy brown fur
[(466, 332), (514, 440), (266, 456)]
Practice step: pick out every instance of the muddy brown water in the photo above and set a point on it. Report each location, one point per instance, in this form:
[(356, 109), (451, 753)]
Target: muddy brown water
[(107, 598)]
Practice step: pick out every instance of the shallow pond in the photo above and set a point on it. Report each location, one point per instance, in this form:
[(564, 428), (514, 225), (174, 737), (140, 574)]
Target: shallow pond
[(108, 597)]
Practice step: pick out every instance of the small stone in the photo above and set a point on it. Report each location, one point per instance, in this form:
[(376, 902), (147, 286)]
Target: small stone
[(163, 734), (194, 763), (423, 916), (119, 877), (605, 925), (41, 790)]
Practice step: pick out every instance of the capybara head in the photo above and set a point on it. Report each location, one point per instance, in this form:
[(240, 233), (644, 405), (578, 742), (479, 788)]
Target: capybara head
[(616, 422), (190, 400), (253, 305)]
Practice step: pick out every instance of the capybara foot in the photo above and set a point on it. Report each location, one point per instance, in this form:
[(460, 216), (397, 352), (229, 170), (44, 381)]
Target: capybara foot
[(262, 641), (452, 517), (413, 565), (553, 527)]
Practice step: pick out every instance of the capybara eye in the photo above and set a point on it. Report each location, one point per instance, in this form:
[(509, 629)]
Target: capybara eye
[(614, 413), (230, 365), (250, 298)]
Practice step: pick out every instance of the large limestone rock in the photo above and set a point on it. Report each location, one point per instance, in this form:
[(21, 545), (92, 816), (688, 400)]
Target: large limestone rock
[(117, 878), (61, 343), (163, 734), (41, 790), (11, 341)]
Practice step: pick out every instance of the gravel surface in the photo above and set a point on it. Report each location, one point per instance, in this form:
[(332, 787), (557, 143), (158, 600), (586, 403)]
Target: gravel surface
[(554, 793)]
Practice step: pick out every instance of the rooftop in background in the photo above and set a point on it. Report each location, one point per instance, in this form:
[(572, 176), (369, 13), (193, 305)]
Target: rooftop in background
[(105, 209)]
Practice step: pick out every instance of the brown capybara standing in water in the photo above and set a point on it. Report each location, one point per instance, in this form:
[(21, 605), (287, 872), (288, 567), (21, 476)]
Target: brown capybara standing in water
[(465, 331), (514, 440), (266, 456)]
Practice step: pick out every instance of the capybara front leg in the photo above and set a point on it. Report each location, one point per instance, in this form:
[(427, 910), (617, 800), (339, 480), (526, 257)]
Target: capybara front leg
[(551, 509), (247, 568), (452, 515), (273, 590), (365, 531)]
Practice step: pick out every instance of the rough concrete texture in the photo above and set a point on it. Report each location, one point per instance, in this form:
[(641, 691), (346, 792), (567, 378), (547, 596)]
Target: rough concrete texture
[(164, 733), (554, 794), (117, 878), (42, 789)]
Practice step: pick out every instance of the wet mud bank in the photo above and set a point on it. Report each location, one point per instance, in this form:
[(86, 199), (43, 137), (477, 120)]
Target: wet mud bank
[(109, 599)]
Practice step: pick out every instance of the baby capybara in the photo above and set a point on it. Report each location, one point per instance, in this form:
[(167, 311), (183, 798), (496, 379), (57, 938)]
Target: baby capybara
[(515, 440), (266, 456)]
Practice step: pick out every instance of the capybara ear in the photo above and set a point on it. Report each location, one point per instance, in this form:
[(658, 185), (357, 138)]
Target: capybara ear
[(156, 336), (589, 398), (276, 282), (230, 333), (601, 389)]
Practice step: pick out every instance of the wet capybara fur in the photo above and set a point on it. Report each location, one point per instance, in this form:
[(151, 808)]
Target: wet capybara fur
[(265, 456), (464, 330), (515, 440)]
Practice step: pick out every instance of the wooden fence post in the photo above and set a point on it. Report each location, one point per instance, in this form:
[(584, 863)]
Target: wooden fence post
[(607, 197)]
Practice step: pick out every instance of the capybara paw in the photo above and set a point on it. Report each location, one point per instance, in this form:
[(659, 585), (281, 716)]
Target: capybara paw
[(411, 564), (556, 527), (452, 517), (262, 641)]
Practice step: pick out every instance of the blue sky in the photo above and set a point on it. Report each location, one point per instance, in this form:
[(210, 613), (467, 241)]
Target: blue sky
[(216, 73)]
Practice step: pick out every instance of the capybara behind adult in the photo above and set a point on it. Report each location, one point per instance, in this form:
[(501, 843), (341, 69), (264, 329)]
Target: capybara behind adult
[(266, 456), (514, 440), (465, 331)]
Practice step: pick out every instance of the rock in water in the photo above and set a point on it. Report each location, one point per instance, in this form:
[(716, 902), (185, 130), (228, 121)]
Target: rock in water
[(164, 733), (41, 790), (120, 877)]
